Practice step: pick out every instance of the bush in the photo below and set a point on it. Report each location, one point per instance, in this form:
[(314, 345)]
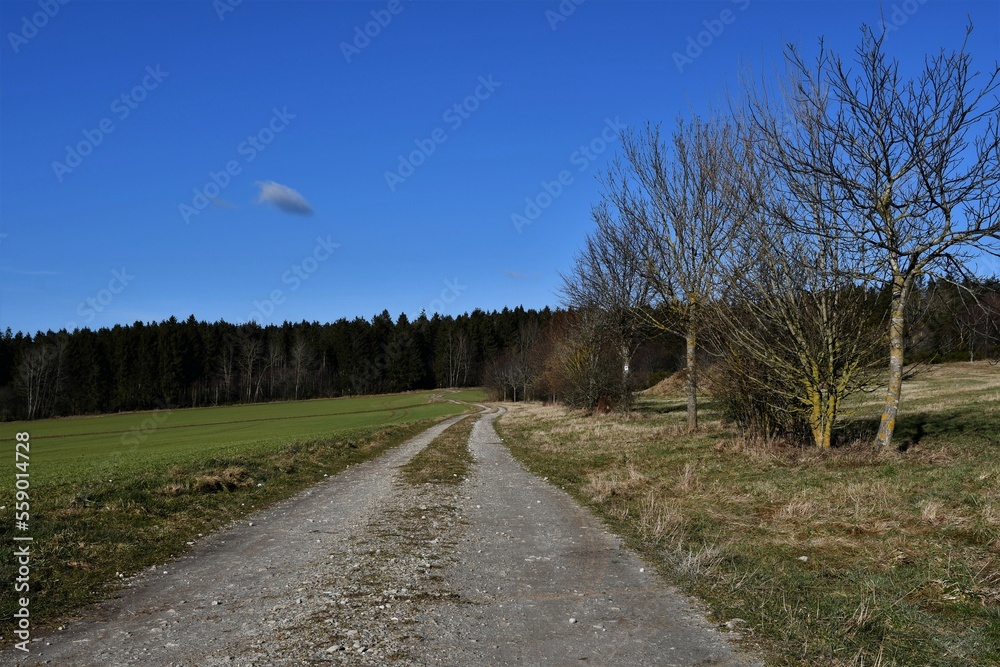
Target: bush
[(741, 389)]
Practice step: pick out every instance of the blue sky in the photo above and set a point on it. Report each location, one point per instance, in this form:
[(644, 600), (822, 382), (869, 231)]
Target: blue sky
[(117, 117)]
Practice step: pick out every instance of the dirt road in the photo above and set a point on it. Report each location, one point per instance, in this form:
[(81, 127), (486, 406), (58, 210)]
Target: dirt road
[(502, 569)]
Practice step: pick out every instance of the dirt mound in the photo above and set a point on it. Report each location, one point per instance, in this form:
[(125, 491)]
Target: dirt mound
[(672, 385)]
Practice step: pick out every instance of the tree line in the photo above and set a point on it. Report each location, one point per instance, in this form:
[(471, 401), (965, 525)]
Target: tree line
[(191, 363), (577, 356)]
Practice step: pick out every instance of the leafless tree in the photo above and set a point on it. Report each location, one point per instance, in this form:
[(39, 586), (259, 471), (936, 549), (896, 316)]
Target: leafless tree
[(457, 353), (608, 281), (303, 359), (226, 371), (502, 374), (250, 351), (451, 359), (796, 326), (519, 367), (580, 366), (672, 207), (39, 375), (463, 358), (913, 163), (975, 314), (274, 362)]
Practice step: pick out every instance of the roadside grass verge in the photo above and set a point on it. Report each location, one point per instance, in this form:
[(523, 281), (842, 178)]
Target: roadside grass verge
[(841, 558), (103, 508), (444, 461)]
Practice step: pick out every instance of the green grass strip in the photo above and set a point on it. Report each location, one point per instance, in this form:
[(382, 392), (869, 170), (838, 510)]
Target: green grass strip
[(444, 461)]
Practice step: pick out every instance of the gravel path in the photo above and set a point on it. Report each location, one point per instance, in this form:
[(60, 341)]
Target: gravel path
[(546, 584), (502, 569)]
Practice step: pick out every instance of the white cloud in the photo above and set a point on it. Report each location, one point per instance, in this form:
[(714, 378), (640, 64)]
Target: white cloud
[(283, 197)]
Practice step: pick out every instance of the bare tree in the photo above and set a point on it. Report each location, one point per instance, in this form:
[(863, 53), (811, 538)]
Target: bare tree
[(32, 372), (226, 371), (303, 359), (39, 375), (463, 357), (579, 367), (526, 366), (451, 359), (675, 210), (458, 354), (274, 362), (250, 350), (914, 166), (975, 317), (502, 374), (796, 326), (608, 280)]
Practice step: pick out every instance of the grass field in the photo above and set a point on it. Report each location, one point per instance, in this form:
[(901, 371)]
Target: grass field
[(838, 558), (111, 495)]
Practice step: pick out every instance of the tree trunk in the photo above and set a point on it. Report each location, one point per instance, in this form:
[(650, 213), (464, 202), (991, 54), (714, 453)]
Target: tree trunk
[(692, 381), (625, 359), (832, 405), (897, 331), (816, 417), (824, 413)]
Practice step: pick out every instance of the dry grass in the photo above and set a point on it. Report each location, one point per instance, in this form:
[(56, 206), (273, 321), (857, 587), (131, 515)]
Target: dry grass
[(944, 386), (840, 557), (659, 518), (227, 479), (603, 486), (688, 481)]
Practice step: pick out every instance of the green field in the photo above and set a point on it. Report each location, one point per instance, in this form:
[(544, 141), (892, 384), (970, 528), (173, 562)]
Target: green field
[(113, 494), (71, 449)]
